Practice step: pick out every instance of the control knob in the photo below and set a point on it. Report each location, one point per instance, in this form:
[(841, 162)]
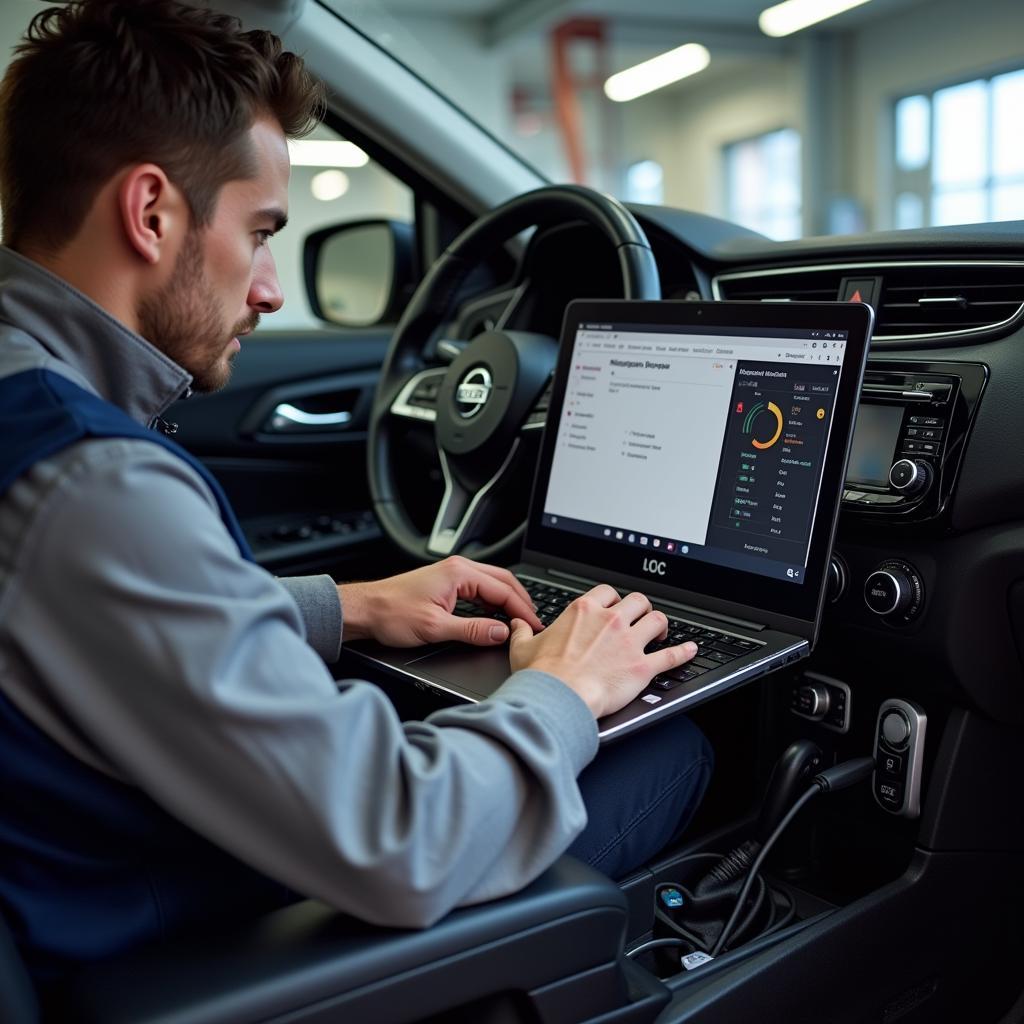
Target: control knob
[(910, 476), (837, 578), (894, 590), (812, 700)]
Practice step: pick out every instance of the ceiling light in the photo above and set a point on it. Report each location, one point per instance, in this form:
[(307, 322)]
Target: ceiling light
[(657, 72), (329, 185), (325, 153), (786, 18)]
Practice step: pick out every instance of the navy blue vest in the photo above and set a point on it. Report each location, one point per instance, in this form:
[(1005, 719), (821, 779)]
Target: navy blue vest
[(90, 867)]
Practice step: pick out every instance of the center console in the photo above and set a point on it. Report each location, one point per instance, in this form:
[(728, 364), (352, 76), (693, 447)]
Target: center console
[(911, 431)]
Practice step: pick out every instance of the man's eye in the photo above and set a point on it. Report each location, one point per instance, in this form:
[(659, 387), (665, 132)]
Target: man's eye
[(263, 236)]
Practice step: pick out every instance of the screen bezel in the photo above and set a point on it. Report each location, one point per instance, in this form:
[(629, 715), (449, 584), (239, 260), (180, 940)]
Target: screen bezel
[(692, 580)]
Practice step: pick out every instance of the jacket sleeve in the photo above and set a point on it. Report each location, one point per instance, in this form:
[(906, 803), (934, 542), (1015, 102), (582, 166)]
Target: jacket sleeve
[(318, 602), (187, 668)]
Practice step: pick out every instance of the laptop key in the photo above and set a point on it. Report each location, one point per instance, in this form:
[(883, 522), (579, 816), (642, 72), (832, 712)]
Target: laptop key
[(683, 673), (718, 656), (666, 682), (701, 662), (728, 648)]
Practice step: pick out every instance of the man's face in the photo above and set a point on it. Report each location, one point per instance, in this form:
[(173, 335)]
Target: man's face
[(224, 276)]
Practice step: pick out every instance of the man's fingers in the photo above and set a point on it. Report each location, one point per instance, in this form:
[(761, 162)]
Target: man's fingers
[(604, 595), (652, 626), (671, 657), (486, 589), (479, 632), (520, 630), (633, 606), (504, 576)]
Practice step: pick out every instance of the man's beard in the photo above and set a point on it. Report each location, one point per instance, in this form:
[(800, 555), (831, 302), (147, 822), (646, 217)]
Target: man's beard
[(184, 320)]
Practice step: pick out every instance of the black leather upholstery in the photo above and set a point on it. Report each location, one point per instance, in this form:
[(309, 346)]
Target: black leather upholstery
[(555, 946)]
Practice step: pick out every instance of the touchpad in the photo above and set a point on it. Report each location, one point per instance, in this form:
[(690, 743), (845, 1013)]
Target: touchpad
[(476, 671)]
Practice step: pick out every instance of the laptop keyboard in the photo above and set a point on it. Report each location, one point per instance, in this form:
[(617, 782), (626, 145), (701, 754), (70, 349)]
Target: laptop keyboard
[(714, 648)]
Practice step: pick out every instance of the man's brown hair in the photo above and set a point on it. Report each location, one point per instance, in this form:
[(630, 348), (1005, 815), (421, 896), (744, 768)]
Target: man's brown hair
[(97, 85)]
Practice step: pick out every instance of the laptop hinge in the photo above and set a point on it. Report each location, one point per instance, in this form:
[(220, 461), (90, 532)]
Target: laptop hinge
[(706, 613)]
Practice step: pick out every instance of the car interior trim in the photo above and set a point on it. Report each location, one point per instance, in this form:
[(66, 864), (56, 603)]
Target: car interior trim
[(1011, 321)]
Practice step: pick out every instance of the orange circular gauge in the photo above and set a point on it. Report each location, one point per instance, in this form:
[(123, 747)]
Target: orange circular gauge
[(777, 413)]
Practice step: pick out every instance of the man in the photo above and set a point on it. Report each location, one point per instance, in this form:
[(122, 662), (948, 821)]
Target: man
[(173, 749)]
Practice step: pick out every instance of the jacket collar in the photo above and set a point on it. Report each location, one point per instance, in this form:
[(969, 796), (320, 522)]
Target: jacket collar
[(118, 364)]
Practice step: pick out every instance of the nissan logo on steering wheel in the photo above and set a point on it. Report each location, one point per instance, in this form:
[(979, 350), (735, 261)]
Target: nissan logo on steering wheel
[(473, 391)]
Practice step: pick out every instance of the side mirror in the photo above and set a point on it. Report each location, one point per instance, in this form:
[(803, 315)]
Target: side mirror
[(358, 274)]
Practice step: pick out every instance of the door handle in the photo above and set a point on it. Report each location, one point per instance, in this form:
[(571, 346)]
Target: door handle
[(287, 417)]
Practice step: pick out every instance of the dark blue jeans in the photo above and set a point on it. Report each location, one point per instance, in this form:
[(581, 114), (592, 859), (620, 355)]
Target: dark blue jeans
[(640, 793)]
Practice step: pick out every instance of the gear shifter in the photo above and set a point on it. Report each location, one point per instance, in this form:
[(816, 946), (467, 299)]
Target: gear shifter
[(800, 761), (718, 888)]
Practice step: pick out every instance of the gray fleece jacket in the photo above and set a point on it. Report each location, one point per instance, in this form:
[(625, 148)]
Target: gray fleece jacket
[(136, 638)]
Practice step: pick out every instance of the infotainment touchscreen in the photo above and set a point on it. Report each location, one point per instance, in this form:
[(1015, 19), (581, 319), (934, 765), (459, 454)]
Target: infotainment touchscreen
[(874, 444), (701, 443)]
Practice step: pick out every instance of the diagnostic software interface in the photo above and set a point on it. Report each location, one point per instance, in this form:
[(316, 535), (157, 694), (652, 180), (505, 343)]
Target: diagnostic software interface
[(702, 443)]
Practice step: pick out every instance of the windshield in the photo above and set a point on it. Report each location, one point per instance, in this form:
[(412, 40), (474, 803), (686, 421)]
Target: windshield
[(886, 114)]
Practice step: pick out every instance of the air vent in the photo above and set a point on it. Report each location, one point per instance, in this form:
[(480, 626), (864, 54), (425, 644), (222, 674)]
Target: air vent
[(919, 300)]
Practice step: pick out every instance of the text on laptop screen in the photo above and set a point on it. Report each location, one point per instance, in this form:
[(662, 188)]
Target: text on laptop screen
[(702, 443)]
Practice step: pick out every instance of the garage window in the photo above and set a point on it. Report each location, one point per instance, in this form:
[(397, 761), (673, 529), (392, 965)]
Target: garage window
[(762, 182), (959, 153)]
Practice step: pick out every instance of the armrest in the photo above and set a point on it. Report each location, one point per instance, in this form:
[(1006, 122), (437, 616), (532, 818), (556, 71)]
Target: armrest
[(308, 959)]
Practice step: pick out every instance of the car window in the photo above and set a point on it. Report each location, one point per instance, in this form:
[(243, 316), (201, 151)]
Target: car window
[(739, 109)]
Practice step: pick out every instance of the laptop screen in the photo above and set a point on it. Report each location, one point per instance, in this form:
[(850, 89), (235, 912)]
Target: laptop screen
[(701, 446), (702, 443)]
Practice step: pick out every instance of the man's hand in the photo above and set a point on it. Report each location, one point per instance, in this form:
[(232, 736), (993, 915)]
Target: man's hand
[(596, 646), (416, 607)]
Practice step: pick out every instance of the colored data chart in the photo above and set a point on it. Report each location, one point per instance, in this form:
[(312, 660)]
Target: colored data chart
[(763, 421)]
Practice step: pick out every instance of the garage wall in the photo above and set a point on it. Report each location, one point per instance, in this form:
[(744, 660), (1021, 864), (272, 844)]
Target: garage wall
[(684, 129)]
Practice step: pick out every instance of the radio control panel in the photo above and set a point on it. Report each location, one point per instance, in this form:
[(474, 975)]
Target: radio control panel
[(912, 427)]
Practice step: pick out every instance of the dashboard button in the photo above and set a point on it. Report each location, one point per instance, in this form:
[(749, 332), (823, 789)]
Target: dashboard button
[(891, 765), (890, 793), (895, 729)]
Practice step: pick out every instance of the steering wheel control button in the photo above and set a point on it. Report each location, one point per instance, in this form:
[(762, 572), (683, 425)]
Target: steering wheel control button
[(822, 699), (897, 778), (894, 591), (896, 729)]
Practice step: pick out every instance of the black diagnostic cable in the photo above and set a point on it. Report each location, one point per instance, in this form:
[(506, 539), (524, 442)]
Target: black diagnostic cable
[(831, 780)]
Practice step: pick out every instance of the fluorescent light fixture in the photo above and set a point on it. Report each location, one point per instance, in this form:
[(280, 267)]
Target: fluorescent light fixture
[(325, 153), (657, 72), (786, 18), (329, 184)]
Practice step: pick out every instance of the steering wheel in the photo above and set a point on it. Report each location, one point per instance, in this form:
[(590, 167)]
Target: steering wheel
[(493, 388)]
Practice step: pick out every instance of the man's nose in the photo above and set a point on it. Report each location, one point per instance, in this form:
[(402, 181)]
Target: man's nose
[(265, 291)]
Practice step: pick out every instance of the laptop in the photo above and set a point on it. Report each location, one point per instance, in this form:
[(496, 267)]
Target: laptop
[(694, 451)]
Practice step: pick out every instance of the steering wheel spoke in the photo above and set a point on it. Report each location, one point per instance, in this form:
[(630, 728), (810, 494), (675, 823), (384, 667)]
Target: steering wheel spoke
[(480, 395), (462, 508), (417, 399), (539, 413)]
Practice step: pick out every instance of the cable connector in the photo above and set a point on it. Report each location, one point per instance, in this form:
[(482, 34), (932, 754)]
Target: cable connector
[(848, 773)]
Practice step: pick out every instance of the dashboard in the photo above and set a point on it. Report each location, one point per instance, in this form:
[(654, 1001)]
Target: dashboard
[(927, 582)]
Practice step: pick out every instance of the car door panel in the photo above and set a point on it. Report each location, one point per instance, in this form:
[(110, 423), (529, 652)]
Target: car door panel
[(287, 440)]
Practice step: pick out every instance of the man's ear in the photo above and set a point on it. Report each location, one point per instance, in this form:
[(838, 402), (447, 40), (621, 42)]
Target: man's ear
[(154, 215)]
